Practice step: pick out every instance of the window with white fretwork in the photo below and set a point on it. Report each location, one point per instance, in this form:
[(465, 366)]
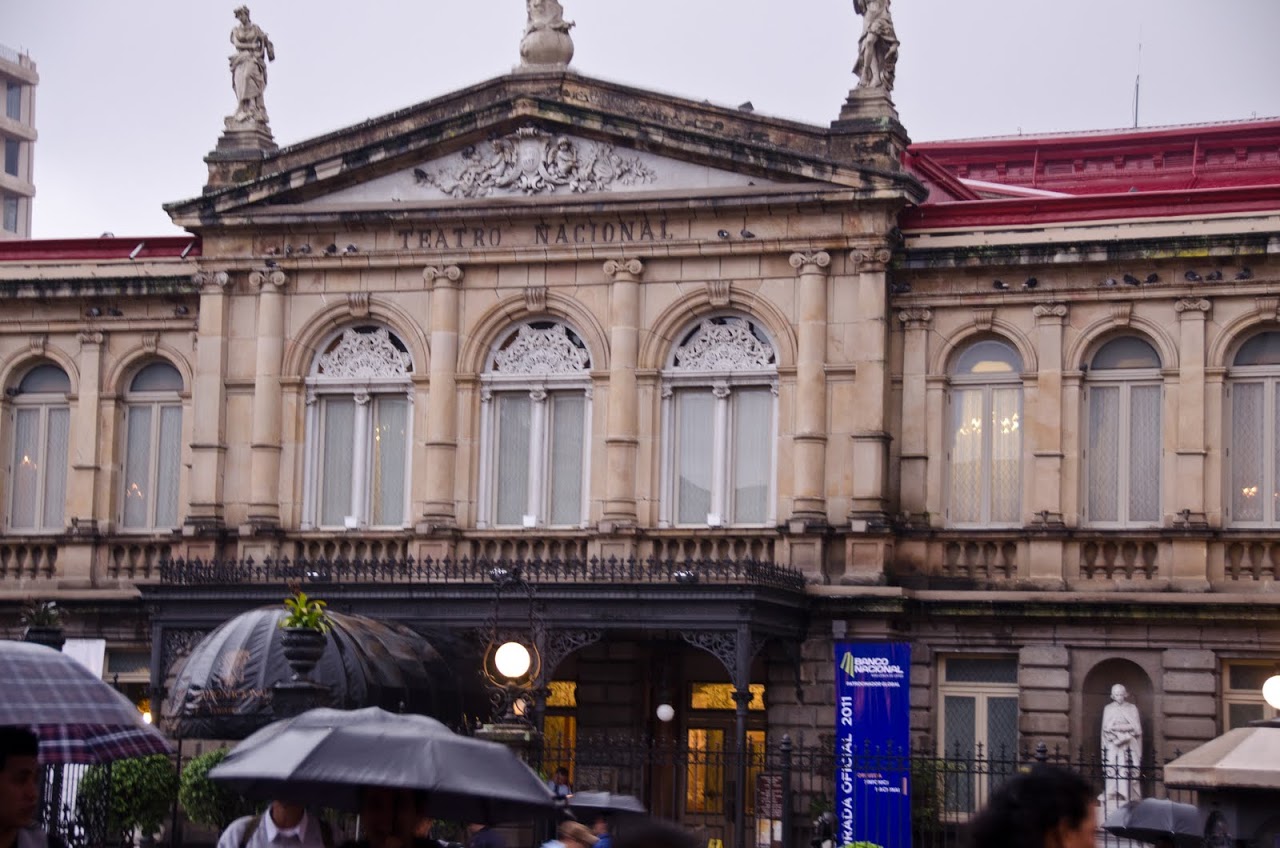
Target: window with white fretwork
[(153, 449), (359, 427), (1124, 449), (535, 426), (1253, 454), (38, 471), (719, 420), (984, 437)]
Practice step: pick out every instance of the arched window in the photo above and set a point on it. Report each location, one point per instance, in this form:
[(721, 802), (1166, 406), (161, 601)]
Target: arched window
[(359, 398), (1254, 450), (153, 449), (984, 457), (535, 428), (38, 488), (1123, 453), (719, 421)]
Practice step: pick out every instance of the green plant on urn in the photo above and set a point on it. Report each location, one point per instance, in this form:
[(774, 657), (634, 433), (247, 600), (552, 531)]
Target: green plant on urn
[(306, 628), (42, 623)]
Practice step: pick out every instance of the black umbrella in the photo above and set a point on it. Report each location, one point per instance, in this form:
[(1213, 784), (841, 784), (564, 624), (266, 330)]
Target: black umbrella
[(78, 717), (1154, 819), (605, 802), (224, 689), (323, 757)]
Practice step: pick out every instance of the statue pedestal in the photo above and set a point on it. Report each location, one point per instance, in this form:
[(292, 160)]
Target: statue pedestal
[(239, 154), (295, 698), (868, 103)]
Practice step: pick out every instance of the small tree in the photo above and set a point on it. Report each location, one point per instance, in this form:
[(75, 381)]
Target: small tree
[(205, 802), (141, 792)]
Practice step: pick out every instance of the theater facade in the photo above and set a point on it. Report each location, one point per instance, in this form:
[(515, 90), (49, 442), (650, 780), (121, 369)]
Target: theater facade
[(686, 394)]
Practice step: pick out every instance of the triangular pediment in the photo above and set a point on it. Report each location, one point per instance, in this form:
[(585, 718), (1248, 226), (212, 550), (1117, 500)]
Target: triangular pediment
[(559, 138), (532, 162)]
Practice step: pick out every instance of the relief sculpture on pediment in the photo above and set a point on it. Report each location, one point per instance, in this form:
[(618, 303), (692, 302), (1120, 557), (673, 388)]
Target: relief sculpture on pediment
[(530, 161)]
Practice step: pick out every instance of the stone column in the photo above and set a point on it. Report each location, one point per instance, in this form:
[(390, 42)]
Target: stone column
[(810, 437), (622, 416), (86, 437), (1188, 502), (914, 451), (1044, 434), (442, 412), (870, 354), (208, 406), (264, 476)]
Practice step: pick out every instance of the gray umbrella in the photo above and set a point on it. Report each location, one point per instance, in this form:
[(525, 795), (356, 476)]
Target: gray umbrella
[(1153, 819), (323, 757), (605, 802)]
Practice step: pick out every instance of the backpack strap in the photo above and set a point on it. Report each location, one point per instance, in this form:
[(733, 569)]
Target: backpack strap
[(250, 829)]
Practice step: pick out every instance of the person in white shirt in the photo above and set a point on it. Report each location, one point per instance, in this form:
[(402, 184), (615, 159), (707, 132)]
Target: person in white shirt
[(284, 825)]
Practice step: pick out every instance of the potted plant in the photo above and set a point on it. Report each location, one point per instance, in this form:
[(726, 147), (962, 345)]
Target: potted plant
[(43, 623), (306, 628)]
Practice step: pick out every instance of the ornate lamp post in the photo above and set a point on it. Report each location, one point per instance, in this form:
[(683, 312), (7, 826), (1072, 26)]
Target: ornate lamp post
[(513, 669)]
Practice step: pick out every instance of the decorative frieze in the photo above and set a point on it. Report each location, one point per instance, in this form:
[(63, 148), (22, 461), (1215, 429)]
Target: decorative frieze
[(541, 351), (724, 344), (361, 355)]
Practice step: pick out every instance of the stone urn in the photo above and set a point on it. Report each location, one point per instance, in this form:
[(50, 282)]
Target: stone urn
[(50, 637), (303, 647), (546, 47)]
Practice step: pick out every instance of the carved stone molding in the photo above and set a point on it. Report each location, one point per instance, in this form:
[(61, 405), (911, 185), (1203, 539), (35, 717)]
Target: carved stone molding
[(917, 318), (870, 259), (719, 292), (446, 275), (530, 161), (91, 337), (614, 267), (1267, 308), (1121, 313), (361, 355), (983, 318), (212, 281), (1193, 307), (810, 263), (1050, 313), (539, 351), (150, 342), (725, 344), (535, 298), (36, 343), (261, 279), (358, 304)]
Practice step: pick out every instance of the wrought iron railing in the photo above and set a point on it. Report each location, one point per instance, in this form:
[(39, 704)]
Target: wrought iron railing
[(613, 570)]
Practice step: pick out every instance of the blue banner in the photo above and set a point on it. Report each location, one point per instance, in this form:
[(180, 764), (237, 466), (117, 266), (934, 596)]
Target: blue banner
[(873, 771)]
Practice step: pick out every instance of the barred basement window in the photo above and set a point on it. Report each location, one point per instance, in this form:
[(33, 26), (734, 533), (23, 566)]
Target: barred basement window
[(977, 724)]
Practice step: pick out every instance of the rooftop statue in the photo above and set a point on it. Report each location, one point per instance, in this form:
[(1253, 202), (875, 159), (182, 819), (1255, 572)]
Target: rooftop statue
[(546, 35), (878, 46), (249, 70)]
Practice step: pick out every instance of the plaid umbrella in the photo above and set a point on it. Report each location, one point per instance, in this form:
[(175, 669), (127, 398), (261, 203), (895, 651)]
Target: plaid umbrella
[(79, 718)]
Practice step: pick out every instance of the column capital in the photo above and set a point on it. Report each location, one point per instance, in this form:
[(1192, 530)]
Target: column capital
[(211, 281), (275, 279), (441, 275), (810, 263), (92, 337), (1193, 307), (916, 318), (1051, 313), (870, 259), (615, 268)]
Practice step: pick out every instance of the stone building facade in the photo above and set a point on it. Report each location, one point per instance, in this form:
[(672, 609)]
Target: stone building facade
[(737, 387)]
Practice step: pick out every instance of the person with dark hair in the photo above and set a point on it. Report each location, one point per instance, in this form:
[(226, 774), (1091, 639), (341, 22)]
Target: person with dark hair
[(1046, 807), (654, 833), (20, 792), (284, 824)]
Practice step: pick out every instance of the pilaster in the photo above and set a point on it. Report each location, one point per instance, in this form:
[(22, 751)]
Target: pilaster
[(810, 436), (870, 426), (86, 436), (1189, 481), (440, 510), (264, 477), (1044, 423), (913, 452), (208, 406), (622, 415)]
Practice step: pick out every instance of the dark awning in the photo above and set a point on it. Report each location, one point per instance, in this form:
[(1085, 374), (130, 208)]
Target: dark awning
[(224, 688)]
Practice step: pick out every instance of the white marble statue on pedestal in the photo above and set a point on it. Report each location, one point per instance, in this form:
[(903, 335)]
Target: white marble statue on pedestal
[(1121, 749), (249, 71), (878, 46)]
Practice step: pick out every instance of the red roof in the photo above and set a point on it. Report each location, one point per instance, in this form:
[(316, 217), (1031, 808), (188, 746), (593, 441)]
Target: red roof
[(91, 249)]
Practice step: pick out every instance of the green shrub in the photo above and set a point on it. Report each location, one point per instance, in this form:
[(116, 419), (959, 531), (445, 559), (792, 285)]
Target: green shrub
[(142, 792), (205, 802)]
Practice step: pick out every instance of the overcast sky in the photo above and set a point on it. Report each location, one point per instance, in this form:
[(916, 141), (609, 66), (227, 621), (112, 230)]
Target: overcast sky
[(133, 92)]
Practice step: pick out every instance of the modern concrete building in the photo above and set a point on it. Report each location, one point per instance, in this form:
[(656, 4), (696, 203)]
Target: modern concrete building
[(18, 80), (720, 388)]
